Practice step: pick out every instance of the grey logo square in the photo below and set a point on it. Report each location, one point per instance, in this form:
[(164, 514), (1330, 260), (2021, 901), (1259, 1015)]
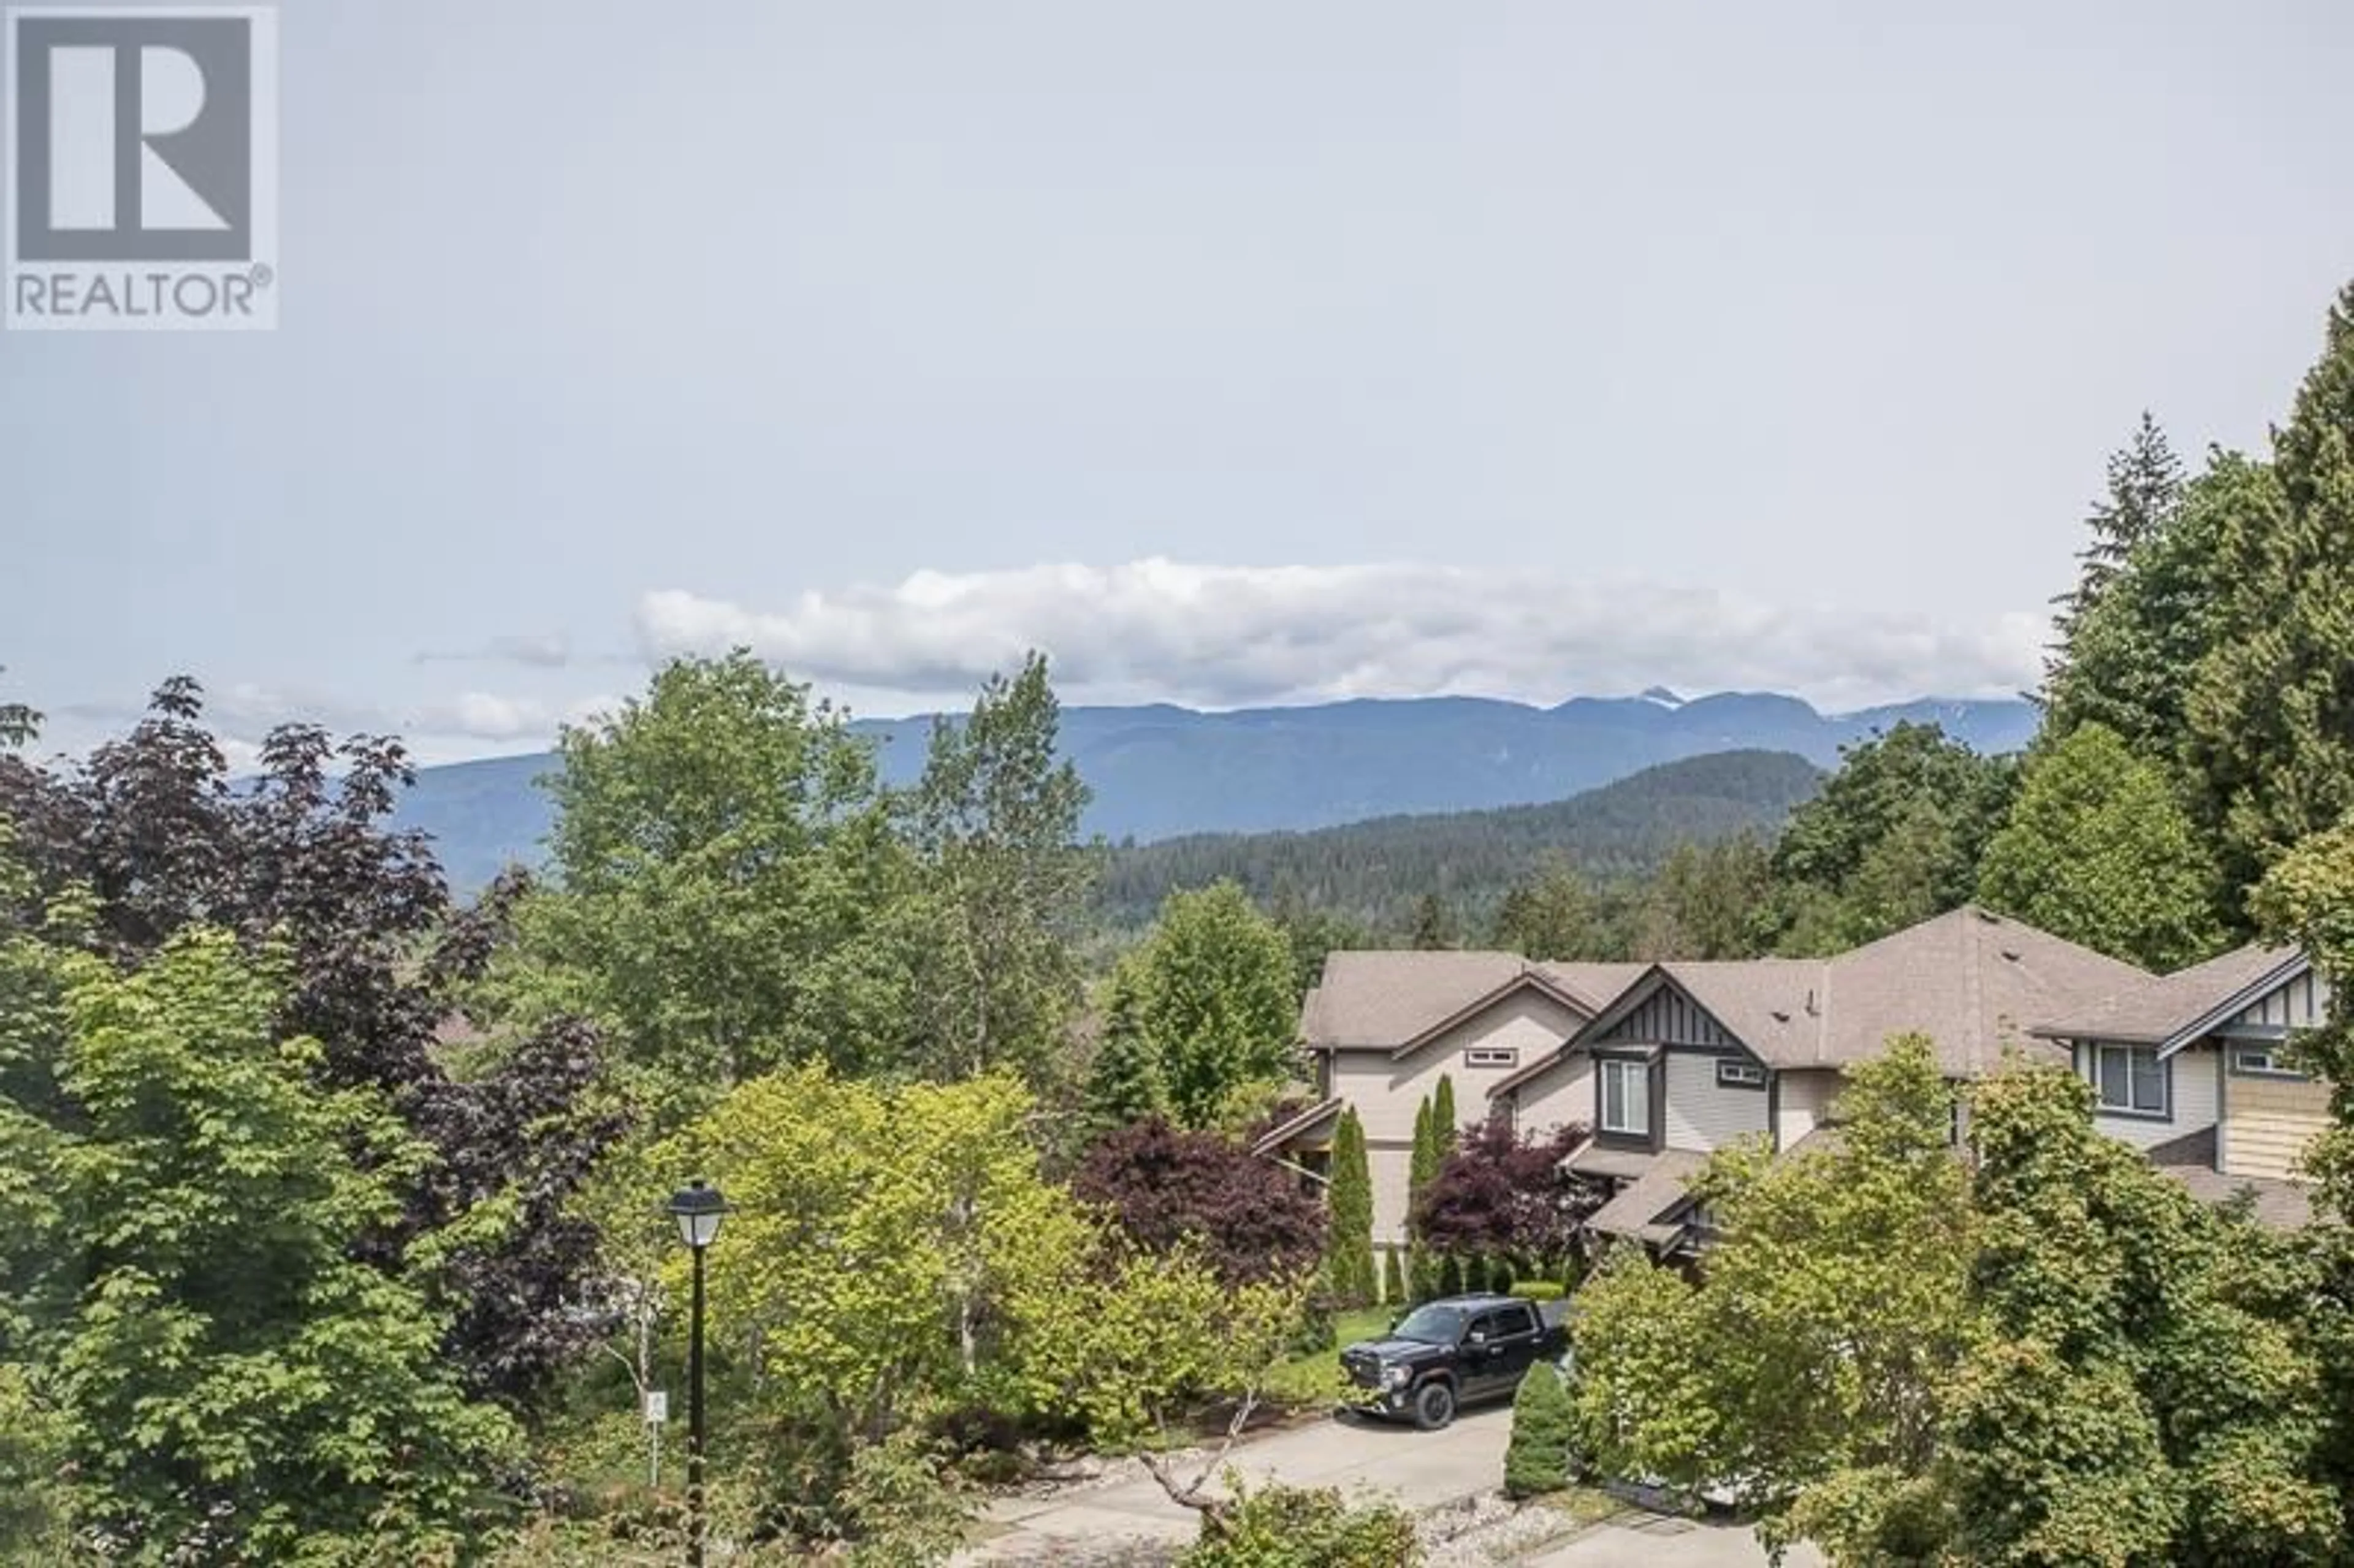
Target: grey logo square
[(141, 166)]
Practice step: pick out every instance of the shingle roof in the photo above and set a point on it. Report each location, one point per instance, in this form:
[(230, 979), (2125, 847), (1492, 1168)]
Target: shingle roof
[(2190, 1159), (1637, 1209), (2155, 1009), (1383, 999), (1970, 979), (1973, 981)]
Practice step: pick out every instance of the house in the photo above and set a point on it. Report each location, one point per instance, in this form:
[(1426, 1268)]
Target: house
[(1691, 1056), (2191, 1066), (1665, 1063), (1381, 1028)]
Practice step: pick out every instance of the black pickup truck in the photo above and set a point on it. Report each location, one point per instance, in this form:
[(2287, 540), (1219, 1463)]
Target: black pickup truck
[(1449, 1353)]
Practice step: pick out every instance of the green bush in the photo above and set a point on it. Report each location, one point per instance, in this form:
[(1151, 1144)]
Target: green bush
[(1304, 1527), (1394, 1292), (1537, 1289), (1544, 1430)]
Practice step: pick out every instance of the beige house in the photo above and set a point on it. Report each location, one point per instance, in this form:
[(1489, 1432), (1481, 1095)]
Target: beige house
[(2192, 1067), (1381, 1028), (1662, 1064)]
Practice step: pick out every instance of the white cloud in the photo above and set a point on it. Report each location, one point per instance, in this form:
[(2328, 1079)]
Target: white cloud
[(1218, 636), (538, 651)]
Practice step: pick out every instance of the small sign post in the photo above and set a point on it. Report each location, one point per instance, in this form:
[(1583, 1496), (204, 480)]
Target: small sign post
[(657, 1412)]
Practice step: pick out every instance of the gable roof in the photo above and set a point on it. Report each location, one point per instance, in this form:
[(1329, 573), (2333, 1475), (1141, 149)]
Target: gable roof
[(2170, 1010), (1972, 981), (1397, 1000)]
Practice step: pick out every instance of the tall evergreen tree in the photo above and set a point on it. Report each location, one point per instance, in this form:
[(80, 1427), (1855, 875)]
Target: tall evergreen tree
[(2098, 850), (2129, 659), (1434, 924), (2146, 485), (2272, 713), (1422, 1168), (1444, 1128), (1126, 1082), (1348, 1255)]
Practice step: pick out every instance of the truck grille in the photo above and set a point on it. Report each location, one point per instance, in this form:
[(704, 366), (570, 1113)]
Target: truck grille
[(1365, 1371)]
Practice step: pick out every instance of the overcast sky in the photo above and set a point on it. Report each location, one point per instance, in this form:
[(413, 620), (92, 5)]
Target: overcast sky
[(1235, 352)]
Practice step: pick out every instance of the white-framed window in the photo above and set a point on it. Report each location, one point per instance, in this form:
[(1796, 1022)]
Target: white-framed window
[(1625, 1097), (1734, 1075), (2129, 1079), (2261, 1062), (1492, 1057)]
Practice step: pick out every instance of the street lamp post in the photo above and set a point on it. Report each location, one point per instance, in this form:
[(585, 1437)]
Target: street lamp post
[(697, 1209)]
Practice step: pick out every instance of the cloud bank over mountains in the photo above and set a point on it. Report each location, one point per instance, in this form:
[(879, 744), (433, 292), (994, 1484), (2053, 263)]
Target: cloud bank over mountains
[(1226, 636), (1150, 631)]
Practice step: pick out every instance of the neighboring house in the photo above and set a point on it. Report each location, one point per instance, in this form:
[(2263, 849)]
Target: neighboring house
[(2191, 1066), (1383, 1027), (1691, 1056)]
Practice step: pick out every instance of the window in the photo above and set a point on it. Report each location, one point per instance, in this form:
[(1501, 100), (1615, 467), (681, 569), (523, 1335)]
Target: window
[(1625, 1097), (1492, 1057), (2129, 1079), (1740, 1076), (2261, 1062)]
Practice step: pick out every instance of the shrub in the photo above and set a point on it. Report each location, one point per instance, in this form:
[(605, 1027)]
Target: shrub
[(1543, 1428), (1394, 1291), (1537, 1289), (1278, 1526)]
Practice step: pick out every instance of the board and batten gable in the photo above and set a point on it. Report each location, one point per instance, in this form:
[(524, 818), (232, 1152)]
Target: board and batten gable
[(2269, 1117), (1478, 1052)]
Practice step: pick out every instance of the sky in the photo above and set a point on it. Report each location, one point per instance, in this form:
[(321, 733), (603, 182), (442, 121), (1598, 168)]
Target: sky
[(1235, 354)]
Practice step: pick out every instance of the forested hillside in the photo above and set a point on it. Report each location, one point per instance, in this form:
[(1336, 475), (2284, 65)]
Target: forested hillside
[(1375, 872)]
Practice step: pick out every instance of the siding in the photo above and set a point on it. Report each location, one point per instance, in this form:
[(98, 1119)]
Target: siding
[(1392, 1167), (2302, 1004), (1701, 1117), (2267, 1123), (1668, 1017), (1386, 1093), (1562, 1094), (2193, 1097), (1804, 1103)]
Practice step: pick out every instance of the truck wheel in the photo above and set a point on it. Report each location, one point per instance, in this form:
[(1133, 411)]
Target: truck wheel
[(1434, 1406)]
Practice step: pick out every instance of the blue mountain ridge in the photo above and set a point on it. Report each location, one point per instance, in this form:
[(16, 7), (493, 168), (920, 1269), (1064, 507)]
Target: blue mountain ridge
[(1159, 770)]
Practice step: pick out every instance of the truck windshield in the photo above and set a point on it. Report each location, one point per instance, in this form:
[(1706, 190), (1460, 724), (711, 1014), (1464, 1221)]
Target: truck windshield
[(1431, 1325)]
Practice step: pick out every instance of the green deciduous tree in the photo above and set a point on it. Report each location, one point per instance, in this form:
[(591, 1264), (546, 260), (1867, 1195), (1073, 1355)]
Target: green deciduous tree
[(2272, 713), (996, 822), (1706, 902), (732, 895), (1893, 838), (1550, 916), (1817, 1338), (241, 1386), (2097, 849), (1349, 1257), (1214, 994)]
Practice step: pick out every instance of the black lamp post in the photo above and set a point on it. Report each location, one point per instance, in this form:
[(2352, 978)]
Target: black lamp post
[(697, 1209)]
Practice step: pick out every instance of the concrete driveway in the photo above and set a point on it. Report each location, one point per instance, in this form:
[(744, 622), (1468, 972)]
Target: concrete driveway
[(1422, 1469), (1419, 1468), (1655, 1540)]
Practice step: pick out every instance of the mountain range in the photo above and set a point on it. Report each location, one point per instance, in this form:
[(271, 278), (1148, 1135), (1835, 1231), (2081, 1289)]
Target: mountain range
[(1159, 771)]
